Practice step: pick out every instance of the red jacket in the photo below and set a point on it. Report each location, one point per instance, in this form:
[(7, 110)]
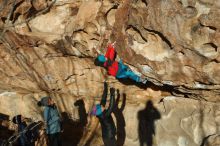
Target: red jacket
[(110, 54)]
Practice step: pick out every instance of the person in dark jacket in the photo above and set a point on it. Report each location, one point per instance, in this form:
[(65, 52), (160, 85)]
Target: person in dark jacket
[(115, 68), (53, 121), (105, 118), (24, 140)]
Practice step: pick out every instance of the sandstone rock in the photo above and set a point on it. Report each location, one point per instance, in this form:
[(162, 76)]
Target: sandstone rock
[(49, 47)]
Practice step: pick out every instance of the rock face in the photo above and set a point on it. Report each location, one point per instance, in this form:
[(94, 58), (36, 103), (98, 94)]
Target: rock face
[(48, 48)]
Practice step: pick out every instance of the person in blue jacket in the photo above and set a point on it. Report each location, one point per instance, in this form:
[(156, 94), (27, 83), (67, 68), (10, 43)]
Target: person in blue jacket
[(105, 118), (53, 121)]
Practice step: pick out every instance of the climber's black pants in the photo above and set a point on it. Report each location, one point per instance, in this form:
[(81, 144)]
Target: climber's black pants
[(109, 141)]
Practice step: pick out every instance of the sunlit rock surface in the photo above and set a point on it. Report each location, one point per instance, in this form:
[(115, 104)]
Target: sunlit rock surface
[(48, 48)]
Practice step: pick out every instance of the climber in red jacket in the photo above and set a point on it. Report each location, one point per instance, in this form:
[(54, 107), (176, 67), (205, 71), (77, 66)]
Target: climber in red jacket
[(114, 68)]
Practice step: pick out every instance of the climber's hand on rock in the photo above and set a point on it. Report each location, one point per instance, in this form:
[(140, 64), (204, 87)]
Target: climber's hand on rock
[(113, 44)]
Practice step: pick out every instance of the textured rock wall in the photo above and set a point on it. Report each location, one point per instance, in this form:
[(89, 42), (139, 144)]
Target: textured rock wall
[(48, 48)]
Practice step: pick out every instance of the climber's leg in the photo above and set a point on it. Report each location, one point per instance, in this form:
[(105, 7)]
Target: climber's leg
[(125, 72), (131, 75)]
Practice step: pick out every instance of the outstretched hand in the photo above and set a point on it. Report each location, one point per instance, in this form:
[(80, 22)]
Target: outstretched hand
[(113, 44), (95, 51)]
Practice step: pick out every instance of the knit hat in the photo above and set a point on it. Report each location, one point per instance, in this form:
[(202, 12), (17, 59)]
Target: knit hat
[(101, 58), (44, 101), (96, 110), (17, 119)]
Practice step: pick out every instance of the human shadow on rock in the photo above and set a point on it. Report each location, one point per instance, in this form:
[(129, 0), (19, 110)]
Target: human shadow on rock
[(146, 125), (73, 129), (120, 120)]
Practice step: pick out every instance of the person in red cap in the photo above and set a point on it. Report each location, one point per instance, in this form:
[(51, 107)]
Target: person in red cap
[(115, 68)]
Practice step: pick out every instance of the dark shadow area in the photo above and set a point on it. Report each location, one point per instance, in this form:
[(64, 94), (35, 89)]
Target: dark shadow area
[(120, 120), (115, 6), (162, 36), (144, 1), (137, 30), (4, 117), (127, 81), (165, 88), (73, 129), (33, 131), (149, 84), (15, 6), (205, 140), (31, 134), (32, 12), (146, 126), (82, 112), (5, 133), (212, 45)]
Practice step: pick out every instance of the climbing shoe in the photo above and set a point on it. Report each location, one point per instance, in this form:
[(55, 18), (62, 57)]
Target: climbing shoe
[(142, 80)]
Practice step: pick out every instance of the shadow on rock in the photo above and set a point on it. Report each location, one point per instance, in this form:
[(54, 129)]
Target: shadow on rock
[(5, 132), (146, 127), (120, 120), (73, 129)]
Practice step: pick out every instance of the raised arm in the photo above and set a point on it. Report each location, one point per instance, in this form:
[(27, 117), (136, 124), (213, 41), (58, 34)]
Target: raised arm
[(123, 102), (118, 97), (104, 94), (112, 102)]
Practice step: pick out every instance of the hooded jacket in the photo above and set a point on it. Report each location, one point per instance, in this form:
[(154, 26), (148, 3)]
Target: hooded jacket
[(51, 117)]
